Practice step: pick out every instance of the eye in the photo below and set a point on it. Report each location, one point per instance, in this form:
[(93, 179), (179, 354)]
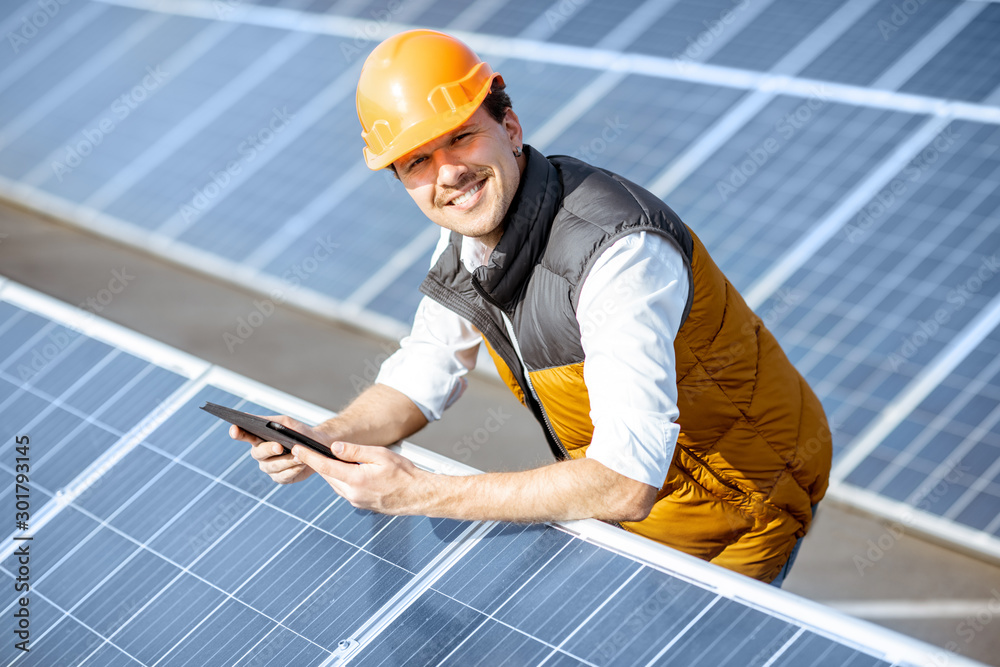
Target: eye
[(415, 162), (459, 137)]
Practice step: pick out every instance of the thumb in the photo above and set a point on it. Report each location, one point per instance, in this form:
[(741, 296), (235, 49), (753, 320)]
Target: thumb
[(348, 451)]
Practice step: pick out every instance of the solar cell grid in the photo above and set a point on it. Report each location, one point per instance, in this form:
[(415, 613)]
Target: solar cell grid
[(664, 117), (400, 298), (245, 107), (218, 52), (773, 180), (439, 14), (965, 69), (512, 17), (70, 56), (176, 553), (875, 41), (778, 29), (684, 23), (592, 21), (202, 530), (895, 272), (943, 457), (108, 98)]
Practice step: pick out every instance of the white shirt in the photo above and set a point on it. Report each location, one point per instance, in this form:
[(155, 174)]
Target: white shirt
[(629, 313)]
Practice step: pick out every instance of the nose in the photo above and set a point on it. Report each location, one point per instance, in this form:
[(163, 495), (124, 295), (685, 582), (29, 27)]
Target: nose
[(450, 171)]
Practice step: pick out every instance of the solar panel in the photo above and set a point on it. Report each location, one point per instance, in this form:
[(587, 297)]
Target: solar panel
[(843, 111), (172, 548)]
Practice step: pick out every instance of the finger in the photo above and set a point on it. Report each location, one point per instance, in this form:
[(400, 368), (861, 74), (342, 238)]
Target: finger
[(348, 451), (321, 464), (278, 465), (263, 451), (236, 433), (289, 476)]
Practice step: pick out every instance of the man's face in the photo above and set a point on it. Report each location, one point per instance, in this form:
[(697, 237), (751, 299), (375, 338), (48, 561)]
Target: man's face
[(465, 180)]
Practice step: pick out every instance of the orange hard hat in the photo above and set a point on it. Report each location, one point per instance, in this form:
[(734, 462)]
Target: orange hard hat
[(414, 87)]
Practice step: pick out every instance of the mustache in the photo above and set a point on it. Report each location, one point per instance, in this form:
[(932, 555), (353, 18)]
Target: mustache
[(444, 196)]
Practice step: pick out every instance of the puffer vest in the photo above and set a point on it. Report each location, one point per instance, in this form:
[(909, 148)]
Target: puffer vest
[(754, 449)]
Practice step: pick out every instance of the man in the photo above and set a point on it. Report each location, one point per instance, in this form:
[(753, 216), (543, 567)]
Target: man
[(670, 407)]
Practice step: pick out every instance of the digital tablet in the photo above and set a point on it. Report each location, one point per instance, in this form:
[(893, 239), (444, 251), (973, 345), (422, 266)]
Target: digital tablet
[(267, 430)]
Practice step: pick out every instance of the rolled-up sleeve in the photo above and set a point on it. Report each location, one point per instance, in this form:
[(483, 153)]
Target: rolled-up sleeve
[(629, 312), (430, 366)]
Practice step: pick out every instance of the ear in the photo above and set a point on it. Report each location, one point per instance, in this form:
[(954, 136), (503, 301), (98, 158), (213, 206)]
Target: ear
[(512, 125)]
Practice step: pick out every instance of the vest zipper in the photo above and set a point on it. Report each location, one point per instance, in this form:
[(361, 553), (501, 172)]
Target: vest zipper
[(527, 379)]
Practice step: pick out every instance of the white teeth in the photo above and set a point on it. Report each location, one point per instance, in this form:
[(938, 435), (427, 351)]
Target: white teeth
[(461, 199)]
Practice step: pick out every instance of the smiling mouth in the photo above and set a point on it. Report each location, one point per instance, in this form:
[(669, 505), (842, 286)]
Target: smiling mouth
[(466, 196)]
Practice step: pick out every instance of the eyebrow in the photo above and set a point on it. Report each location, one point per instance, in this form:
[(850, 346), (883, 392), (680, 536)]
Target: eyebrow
[(464, 127)]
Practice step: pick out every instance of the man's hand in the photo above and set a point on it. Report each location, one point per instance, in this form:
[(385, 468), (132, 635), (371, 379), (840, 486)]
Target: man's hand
[(389, 483), (384, 481), (281, 467)]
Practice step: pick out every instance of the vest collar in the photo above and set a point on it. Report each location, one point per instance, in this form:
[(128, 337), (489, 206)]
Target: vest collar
[(525, 232)]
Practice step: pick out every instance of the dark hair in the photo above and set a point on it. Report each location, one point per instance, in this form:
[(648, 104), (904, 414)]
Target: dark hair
[(496, 103)]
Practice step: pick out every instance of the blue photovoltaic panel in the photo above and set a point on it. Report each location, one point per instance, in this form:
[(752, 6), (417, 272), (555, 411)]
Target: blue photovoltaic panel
[(365, 240), (875, 42), (224, 57), (774, 180), (591, 21), (856, 321), (180, 524), (239, 132), (182, 552), (777, 30), (251, 215), (76, 395), (967, 68), (76, 129), (540, 90), (513, 16), (67, 59), (683, 24), (944, 458), (637, 142), (536, 594), (400, 298)]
